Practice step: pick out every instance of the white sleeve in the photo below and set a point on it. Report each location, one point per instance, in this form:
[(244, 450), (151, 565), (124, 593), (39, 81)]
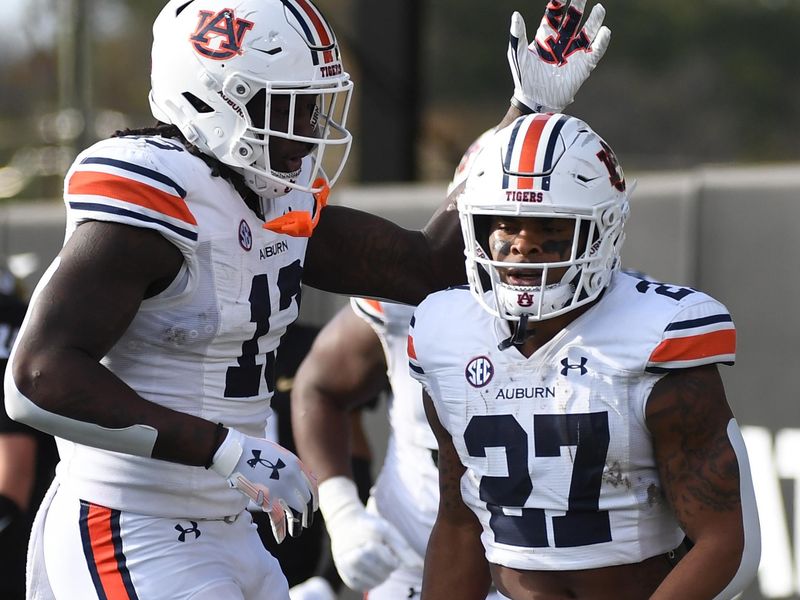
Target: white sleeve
[(751, 553), (135, 439)]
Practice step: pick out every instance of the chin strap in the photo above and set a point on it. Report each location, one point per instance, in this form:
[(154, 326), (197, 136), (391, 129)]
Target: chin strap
[(299, 223), (519, 336)]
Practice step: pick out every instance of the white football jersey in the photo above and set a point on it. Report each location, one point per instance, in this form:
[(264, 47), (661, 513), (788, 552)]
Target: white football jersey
[(406, 412), (207, 345), (559, 462), (407, 489)]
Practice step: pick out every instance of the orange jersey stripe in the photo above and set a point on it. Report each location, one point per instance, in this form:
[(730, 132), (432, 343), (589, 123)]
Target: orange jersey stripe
[(693, 347), (127, 190), (410, 348), (527, 159), (99, 523), (374, 304)]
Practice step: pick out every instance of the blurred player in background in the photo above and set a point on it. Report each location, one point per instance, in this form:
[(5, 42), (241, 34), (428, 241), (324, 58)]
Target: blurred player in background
[(582, 424), (347, 365), (306, 560), (27, 459)]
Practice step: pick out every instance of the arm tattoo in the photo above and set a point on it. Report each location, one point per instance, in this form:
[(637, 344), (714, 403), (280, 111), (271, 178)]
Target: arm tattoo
[(450, 471), (696, 461)]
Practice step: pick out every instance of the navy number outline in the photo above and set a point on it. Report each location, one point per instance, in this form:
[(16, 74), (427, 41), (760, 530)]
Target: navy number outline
[(583, 524), (243, 380), (674, 292)]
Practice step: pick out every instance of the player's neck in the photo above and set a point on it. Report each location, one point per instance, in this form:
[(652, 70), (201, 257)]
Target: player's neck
[(541, 332)]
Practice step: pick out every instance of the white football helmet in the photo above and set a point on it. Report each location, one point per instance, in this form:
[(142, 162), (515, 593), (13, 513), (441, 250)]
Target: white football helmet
[(219, 65), (545, 166), (469, 156)]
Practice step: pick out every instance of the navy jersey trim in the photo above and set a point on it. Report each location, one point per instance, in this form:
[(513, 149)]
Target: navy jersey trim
[(134, 168), (91, 206)]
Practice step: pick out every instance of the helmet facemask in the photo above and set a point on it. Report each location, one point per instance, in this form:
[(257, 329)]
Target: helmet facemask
[(563, 285), (280, 117)]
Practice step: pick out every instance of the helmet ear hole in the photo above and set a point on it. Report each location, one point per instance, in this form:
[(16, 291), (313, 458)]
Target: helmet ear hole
[(197, 103)]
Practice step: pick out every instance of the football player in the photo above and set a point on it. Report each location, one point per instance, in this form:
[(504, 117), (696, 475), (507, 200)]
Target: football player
[(150, 343), (348, 362), (582, 424), (380, 548)]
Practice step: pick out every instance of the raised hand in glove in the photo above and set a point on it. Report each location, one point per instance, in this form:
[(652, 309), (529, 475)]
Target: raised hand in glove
[(548, 73), (366, 548), (272, 477)]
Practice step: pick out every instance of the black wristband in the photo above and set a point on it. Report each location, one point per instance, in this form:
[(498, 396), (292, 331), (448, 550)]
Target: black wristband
[(218, 437), (521, 106)]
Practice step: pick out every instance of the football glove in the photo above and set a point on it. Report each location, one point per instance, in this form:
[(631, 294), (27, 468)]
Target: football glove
[(273, 478), (548, 73), (365, 547), (316, 588)]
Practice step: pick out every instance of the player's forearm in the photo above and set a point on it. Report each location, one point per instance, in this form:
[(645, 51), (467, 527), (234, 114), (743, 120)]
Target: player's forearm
[(69, 395), (17, 467), (512, 113), (445, 248), (322, 435), (395, 262), (455, 565), (703, 573)]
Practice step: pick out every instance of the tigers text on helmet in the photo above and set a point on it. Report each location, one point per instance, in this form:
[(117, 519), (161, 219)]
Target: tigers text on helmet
[(546, 166), (222, 71)]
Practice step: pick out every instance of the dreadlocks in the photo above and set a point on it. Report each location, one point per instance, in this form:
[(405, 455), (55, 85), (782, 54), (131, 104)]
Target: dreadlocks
[(218, 169)]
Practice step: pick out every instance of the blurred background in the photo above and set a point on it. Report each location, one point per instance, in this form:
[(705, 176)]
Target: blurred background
[(700, 100), (684, 83)]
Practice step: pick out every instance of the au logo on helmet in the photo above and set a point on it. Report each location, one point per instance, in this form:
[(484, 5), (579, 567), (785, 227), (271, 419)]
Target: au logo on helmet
[(219, 36), (609, 159)]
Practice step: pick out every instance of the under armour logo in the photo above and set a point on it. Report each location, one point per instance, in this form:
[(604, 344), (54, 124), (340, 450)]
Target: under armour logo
[(567, 366), (257, 460), (193, 529), (525, 299)]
